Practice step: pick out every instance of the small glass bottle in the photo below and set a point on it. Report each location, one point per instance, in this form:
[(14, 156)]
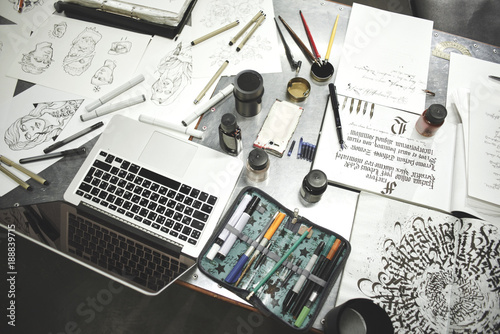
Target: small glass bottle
[(230, 134), (431, 120), (257, 165), (313, 186)]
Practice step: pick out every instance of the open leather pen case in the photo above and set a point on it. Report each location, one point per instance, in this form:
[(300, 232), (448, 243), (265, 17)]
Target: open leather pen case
[(280, 262)]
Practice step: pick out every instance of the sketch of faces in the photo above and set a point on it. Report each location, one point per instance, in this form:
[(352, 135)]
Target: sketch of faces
[(59, 29), (120, 48), (104, 75), (27, 5), (175, 71), (40, 125), (38, 60), (82, 52)]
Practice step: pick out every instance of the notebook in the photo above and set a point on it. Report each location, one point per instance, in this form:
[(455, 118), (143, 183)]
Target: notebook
[(154, 190)]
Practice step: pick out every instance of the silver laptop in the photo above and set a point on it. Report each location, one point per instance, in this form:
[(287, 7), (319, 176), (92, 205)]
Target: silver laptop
[(154, 190)]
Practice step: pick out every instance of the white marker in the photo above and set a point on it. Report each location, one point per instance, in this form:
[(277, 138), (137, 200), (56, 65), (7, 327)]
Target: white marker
[(171, 126), (112, 107), (115, 92), (203, 107)]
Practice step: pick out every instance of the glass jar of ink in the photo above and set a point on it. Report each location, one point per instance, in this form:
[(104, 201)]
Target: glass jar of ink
[(257, 165), (230, 135), (313, 186), (431, 120)]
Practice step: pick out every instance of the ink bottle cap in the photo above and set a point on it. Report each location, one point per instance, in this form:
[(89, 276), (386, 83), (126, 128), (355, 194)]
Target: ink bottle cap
[(313, 186), (258, 165), (228, 123), (248, 91), (431, 119)]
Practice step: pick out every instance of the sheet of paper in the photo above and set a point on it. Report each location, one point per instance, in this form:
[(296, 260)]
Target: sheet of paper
[(430, 272), (79, 57), (260, 53), (30, 122), (385, 58), (9, 48), (481, 121), (386, 155)]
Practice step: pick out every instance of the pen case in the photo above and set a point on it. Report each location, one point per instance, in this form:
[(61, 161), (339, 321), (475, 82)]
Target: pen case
[(286, 246)]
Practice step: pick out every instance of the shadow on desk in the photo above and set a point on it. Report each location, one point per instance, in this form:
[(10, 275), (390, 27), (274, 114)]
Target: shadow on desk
[(55, 295)]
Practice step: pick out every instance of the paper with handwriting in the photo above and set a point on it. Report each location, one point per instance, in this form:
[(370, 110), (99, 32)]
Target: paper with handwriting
[(385, 58)]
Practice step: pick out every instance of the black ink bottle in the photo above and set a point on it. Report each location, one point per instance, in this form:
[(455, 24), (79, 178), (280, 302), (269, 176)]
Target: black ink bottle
[(230, 134), (431, 120)]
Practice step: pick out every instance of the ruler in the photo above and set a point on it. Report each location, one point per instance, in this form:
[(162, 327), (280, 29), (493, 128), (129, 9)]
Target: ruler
[(443, 49)]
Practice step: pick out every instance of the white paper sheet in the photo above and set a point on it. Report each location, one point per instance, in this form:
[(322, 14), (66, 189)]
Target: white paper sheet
[(468, 75), (386, 155), (10, 44), (29, 122), (262, 51), (385, 58), (79, 57), (33, 15)]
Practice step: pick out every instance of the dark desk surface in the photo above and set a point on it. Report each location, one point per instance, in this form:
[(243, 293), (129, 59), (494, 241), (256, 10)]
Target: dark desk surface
[(61, 296)]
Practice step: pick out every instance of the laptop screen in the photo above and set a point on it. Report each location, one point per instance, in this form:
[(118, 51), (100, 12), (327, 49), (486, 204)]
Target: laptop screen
[(134, 260)]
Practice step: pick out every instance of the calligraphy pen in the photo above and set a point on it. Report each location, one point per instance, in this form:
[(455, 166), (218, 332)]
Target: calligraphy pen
[(310, 38), (335, 104), (297, 40), (295, 65)]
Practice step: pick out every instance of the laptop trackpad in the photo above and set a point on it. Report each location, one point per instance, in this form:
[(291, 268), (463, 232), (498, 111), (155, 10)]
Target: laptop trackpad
[(168, 154)]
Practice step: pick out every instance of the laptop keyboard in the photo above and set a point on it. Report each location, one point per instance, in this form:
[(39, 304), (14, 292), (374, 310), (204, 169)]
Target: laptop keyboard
[(120, 254), (175, 210)]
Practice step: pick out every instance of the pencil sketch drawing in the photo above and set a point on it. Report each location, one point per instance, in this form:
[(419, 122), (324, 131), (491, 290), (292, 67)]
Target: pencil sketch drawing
[(174, 74), (120, 48), (439, 277), (40, 125), (104, 75), (37, 60), (27, 5), (82, 51), (59, 30)]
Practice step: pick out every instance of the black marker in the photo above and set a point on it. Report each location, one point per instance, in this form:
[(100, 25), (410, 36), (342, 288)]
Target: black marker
[(77, 135), (66, 153)]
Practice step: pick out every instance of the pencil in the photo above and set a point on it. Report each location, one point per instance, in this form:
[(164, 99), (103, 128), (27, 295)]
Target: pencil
[(20, 168), (211, 82), (250, 33)]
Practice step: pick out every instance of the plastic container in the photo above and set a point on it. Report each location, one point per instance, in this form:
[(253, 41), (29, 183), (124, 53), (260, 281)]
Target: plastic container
[(257, 165)]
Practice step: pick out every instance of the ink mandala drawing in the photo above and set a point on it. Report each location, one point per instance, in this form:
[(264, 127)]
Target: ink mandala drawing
[(175, 72), (40, 125), (439, 278)]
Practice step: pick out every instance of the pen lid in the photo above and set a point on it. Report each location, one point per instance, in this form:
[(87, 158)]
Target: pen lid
[(254, 202)]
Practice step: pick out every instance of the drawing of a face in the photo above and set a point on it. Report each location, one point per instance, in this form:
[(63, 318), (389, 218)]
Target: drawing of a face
[(82, 52), (38, 60), (41, 124), (119, 48), (31, 128), (104, 75)]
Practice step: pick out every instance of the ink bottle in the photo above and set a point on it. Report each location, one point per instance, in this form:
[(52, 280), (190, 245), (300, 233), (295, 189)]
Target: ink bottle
[(431, 120), (257, 165), (313, 186), (229, 134)]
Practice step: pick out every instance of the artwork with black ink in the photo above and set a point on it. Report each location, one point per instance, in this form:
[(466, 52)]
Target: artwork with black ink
[(26, 5), (59, 30), (174, 73), (41, 124), (82, 51), (104, 75), (120, 48), (431, 272), (39, 59)]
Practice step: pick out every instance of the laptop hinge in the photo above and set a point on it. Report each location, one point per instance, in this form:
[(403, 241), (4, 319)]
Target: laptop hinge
[(137, 231)]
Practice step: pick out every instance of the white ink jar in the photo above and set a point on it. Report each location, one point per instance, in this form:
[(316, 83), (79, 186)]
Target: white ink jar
[(313, 186), (257, 165), (431, 120)]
